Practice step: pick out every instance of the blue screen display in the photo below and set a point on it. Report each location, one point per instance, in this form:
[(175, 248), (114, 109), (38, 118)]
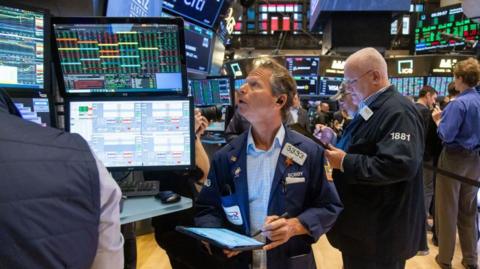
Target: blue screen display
[(134, 8), (201, 11)]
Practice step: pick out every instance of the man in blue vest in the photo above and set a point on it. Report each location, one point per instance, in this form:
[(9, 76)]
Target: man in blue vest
[(59, 207), (267, 171)]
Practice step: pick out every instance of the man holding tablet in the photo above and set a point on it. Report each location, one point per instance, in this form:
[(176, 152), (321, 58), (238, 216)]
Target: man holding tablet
[(270, 179)]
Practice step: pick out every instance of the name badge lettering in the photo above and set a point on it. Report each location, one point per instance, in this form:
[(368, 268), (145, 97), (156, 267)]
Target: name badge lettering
[(293, 180)]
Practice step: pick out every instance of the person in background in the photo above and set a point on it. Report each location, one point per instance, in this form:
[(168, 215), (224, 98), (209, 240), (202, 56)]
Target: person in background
[(452, 93), (425, 104), (378, 172), (324, 116), (297, 114), (455, 201), (59, 206), (183, 251), (348, 104), (266, 172)]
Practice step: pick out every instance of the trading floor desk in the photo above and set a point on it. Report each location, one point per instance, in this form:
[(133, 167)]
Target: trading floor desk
[(140, 208)]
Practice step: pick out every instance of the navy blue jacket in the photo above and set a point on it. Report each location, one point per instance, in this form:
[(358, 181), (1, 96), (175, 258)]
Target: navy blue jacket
[(315, 202), (49, 197), (381, 186)]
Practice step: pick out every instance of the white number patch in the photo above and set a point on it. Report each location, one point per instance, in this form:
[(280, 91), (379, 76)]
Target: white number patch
[(400, 136), (294, 153)]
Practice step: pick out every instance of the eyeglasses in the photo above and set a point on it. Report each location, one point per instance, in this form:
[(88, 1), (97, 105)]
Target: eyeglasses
[(350, 82)]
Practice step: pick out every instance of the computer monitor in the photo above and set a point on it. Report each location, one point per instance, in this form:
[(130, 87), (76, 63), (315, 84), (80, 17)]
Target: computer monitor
[(101, 55), (201, 11), (440, 84), (329, 85), (302, 65), (24, 48), (307, 85), (134, 8), (211, 91), (199, 42), (198, 47), (34, 109), (141, 133), (408, 85)]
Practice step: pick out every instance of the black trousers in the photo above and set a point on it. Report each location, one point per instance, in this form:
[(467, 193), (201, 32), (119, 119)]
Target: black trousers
[(351, 262)]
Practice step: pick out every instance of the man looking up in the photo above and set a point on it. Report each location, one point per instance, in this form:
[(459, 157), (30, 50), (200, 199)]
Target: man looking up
[(265, 172)]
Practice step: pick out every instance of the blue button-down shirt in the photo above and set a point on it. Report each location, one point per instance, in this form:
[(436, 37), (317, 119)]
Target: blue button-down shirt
[(261, 167), (460, 123)]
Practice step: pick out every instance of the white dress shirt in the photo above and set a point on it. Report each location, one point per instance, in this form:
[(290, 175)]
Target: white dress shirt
[(110, 240)]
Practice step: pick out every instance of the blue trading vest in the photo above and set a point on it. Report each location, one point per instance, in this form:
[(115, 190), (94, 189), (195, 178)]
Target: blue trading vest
[(49, 197)]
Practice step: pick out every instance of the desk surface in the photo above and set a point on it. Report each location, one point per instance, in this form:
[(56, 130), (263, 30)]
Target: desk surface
[(139, 208)]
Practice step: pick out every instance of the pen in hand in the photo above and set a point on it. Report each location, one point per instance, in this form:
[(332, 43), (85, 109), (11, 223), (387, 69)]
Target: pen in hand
[(284, 215)]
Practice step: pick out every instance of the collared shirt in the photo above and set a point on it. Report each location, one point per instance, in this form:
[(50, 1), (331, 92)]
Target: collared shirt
[(370, 99), (460, 123), (261, 167), (294, 113), (110, 240)]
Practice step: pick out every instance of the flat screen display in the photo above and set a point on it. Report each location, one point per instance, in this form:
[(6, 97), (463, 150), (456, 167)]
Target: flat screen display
[(329, 85), (134, 8), (136, 133), (202, 11), (23, 39), (120, 55), (303, 66), (410, 86), (440, 84), (214, 91), (445, 28), (198, 47), (307, 85)]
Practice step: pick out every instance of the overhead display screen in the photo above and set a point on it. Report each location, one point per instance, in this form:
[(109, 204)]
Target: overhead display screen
[(410, 86), (445, 28), (134, 8), (303, 66), (329, 85), (198, 47), (201, 11)]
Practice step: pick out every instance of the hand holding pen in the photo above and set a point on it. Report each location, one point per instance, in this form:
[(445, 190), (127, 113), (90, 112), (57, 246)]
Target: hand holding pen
[(279, 229)]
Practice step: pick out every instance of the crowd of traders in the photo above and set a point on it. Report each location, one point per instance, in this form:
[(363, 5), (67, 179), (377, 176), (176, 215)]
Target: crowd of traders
[(269, 178)]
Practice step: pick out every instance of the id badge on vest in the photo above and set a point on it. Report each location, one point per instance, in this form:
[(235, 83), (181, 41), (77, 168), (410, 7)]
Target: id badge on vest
[(232, 209)]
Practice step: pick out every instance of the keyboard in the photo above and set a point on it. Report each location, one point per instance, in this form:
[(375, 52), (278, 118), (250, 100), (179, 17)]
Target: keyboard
[(132, 188)]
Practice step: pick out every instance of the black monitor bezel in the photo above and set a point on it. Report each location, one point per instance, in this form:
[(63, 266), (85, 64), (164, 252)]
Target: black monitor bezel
[(212, 47), (119, 20), (47, 83), (142, 98), (231, 90)]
